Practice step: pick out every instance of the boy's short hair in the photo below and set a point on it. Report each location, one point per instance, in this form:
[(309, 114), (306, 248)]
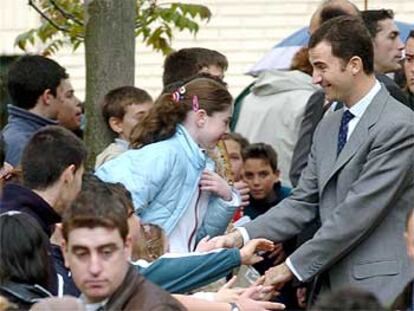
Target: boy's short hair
[(96, 206), (115, 101), (261, 151), (30, 76), (184, 63), (238, 138), (48, 153)]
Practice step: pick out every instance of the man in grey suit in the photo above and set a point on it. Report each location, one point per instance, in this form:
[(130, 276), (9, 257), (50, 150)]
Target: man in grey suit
[(387, 56), (359, 177)]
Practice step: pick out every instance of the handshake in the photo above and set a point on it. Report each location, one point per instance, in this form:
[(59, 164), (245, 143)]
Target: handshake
[(251, 253)]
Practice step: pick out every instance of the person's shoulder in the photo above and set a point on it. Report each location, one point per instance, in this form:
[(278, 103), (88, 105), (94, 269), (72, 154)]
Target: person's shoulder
[(17, 132), (396, 112)]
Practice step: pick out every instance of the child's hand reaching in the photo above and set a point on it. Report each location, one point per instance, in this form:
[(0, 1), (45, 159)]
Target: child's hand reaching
[(211, 181), (228, 294)]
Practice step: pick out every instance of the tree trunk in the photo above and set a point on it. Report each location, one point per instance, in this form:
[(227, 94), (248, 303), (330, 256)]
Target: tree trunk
[(110, 63)]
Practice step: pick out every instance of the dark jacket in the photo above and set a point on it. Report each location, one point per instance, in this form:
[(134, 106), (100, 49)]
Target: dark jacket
[(19, 198), (23, 295), (137, 293), (21, 125), (259, 207)]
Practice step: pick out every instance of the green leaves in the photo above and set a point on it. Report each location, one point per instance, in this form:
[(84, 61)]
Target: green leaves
[(62, 23)]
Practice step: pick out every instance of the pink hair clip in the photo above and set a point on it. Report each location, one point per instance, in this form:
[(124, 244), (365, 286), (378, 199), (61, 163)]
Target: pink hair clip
[(196, 104), (178, 94)]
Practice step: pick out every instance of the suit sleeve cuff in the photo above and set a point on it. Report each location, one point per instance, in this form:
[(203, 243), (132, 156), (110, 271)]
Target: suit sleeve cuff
[(292, 268), (244, 234)]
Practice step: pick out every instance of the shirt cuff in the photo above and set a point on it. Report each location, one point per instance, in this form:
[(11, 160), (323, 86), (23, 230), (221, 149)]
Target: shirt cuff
[(244, 234), (292, 268)]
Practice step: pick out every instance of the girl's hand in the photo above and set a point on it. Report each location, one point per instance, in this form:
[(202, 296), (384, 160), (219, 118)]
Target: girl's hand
[(211, 181)]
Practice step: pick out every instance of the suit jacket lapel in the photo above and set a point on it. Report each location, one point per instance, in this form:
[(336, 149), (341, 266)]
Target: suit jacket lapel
[(330, 145), (357, 138)]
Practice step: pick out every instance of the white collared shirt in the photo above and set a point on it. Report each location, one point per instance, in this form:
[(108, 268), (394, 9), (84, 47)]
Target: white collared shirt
[(357, 110)]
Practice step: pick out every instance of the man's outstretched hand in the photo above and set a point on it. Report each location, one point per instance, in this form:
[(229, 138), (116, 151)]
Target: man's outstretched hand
[(278, 276)]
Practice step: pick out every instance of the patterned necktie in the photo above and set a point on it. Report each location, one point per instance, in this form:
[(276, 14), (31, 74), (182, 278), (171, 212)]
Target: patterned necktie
[(343, 130)]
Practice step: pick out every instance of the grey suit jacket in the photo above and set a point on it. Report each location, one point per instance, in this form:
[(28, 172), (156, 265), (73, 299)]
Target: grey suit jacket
[(363, 197)]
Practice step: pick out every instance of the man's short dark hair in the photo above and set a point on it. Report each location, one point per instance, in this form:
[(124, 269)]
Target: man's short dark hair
[(329, 12), (347, 299), (30, 76), (184, 63), (261, 151), (96, 206), (115, 101), (348, 37), (372, 17), (48, 153)]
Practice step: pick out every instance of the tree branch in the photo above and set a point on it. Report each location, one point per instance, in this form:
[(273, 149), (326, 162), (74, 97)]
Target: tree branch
[(58, 27), (65, 13)]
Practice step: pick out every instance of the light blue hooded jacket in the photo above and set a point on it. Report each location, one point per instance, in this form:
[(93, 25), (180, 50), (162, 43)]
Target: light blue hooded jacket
[(163, 177)]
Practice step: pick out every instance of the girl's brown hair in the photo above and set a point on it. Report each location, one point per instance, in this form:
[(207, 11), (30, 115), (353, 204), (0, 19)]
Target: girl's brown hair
[(162, 119)]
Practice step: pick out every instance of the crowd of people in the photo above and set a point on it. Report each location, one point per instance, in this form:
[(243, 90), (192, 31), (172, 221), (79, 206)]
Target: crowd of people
[(306, 204)]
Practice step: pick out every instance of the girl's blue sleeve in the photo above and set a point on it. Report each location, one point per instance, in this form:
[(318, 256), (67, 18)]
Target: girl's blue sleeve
[(182, 273)]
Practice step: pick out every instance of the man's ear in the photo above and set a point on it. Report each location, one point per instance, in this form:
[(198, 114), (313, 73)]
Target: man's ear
[(47, 97), (65, 250), (201, 117), (68, 174), (115, 124), (356, 65)]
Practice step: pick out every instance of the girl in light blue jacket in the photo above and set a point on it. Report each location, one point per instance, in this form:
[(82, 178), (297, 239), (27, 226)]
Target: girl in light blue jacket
[(169, 174)]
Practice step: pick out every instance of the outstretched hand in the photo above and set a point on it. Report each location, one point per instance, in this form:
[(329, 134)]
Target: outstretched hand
[(246, 301), (228, 294), (249, 254), (232, 239), (278, 276)]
